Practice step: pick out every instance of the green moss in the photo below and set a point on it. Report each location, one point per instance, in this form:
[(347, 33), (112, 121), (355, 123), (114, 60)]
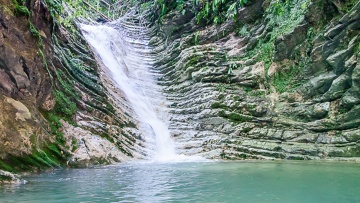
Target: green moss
[(130, 124), (349, 152), (221, 87), (237, 98), (285, 80), (266, 53), (193, 60), (55, 150), (356, 48), (66, 84), (348, 5), (108, 137), (4, 166), (21, 10), (247, 89), (5, 178), (234, 117), (23, 163), (45, 159), (74, 144), (242, 156), (218, 105), (34, 31), (258, 93), (64, 107), (55, 125), (110, 107), (49, 156)]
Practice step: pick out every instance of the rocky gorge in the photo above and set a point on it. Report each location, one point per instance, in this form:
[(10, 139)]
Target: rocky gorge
[(278, 80)]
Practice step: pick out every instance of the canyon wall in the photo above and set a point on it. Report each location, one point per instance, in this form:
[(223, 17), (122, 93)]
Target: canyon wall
[(278, 81)]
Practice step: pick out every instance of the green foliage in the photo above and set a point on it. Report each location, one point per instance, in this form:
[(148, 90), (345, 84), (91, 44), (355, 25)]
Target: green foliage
[(348, 5), (217, 11), (55, 125), (19, 9), (6, 167), (206, 11), (221, 87), (266, 53), (22, 10), (66, 84), (55, 7), (49, 155), (257, 93), (194, 60), (284, 80), (243, 32), (234, 117), (34, 31), (218, 105), (54, 122), (44, 158), (64, 106), (196, 38), (74, 144), (283, 16)]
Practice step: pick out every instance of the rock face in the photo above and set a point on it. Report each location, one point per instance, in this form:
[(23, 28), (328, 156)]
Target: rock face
[(276, 86), (49, 83), (24, 83), (91, 148)]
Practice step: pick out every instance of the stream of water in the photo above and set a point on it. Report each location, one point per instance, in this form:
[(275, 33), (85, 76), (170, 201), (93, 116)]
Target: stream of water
[(127, 62)]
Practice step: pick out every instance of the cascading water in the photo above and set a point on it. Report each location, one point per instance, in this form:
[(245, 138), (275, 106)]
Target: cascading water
[(128, 63)]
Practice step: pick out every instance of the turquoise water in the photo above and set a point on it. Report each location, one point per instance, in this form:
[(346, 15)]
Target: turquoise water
[(194, 182)]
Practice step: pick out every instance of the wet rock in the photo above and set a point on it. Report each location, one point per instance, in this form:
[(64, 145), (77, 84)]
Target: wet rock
[(8, 178), (352, 96), (252, 12), (6, 84), (338, 88), (285, 44), (22, 113), (337, 60), (90, 149), (318, 85)]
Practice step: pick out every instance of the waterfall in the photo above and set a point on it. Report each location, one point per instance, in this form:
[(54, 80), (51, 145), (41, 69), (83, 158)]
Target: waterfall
[(127, 61)]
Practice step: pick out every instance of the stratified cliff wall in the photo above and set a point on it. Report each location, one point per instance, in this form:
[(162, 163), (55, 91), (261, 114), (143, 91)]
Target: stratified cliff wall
[(55, 105), (281, 80)]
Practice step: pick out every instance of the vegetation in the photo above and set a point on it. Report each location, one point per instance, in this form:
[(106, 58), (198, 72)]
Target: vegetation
[(206, 11), (52, 151), (234, 117), (21, 10)]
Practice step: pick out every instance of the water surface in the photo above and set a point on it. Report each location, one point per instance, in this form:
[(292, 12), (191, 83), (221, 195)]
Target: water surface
[(194, 182)]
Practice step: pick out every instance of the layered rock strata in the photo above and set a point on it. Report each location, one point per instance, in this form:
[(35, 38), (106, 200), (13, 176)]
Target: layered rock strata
[(266, 85)]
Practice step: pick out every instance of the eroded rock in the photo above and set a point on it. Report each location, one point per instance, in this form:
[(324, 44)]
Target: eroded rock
[(8, 178)]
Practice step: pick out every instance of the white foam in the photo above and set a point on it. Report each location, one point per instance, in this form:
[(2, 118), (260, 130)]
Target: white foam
[(128, 62)]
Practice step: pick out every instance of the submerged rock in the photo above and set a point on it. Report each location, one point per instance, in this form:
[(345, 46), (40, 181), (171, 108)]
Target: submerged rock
[(8, 178)]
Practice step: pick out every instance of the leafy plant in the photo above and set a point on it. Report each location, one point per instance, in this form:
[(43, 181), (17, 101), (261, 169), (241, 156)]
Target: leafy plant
[(243, 32), (284, 80), (196, 38)]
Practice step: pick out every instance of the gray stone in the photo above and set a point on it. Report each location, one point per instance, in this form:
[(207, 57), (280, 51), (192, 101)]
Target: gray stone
[(8, 178)]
